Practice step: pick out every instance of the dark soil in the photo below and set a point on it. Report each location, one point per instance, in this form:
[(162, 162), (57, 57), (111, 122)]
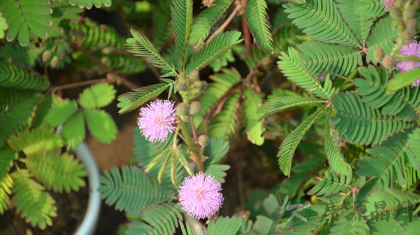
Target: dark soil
[(71, 208)]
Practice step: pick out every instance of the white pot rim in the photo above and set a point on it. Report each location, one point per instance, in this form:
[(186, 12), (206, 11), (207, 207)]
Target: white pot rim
[(88, 225)]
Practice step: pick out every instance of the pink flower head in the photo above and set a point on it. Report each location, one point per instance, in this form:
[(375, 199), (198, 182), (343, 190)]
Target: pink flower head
[(411, 49), (388, 4), (157, 119), (200, 195)]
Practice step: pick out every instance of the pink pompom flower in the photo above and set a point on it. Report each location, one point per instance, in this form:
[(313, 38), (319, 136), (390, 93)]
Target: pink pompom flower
[(200, 195), (411, 49), (388, 4), (157, 120)]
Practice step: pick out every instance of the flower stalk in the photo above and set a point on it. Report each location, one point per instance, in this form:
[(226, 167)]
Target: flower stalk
[(190, 142)]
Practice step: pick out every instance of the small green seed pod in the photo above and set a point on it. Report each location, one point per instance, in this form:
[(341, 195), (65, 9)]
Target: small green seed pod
[(195, 107), (203, 140)]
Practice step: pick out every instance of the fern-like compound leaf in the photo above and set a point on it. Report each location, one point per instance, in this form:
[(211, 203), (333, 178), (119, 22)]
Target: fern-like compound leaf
[(358, 24), (11, 96), (335, 157), (402, 80), (319, 58), (161, 18), (57, 171), (132, 100), (60, 113), (188, 230), (61, 11), (388, 160), (101, 125), (215, 151), (73, 131), (16, 77), (221, 85), (89, 3), (207, 22), (15, 118), (413, 152), (25, 16), (292, 66), (389, 221), (311, 227), (278, 104), (411, 228), (254, 126), (139, 45), (358, 123), (321, 20), (383, 36), (156, 220), (181, 12), (226, 225), (224, 124), (6, 160), (31, 201), (256, 16), (22, 55), (350, 222), (3, 26), (289, 145), (131, 189), (35, 140), (97, 96), (404, 103), (6, 184), (370, 8), (331, 184), (215, 48)]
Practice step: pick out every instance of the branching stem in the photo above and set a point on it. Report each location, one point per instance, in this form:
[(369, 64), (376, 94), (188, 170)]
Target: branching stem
[(189, 141)]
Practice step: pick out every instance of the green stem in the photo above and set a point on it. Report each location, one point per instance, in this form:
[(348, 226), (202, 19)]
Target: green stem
[(190, 142), (407, 58)]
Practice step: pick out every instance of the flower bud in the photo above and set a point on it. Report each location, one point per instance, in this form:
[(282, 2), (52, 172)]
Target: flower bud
[(106, 61), (184, 118), (411, 24), (194, 76), (388, 62), (61, 52), (182, 109), (395, 13), (409, 12), (203, 140), (204, 87), (407, 35), (379, 54), (108, 50), (73, 32), (179, 86), (46, 56), (195, 107), (54, 62), (198, 84), (397, 23), (181, 77)]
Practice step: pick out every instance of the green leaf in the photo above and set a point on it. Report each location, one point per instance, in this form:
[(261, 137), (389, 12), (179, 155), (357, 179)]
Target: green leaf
[(141, 46), (55, 171), (402, 80), (288, 147), (15, 118), (132, 100), (97, 96), (209, 19), (35, 205), (3, 27), (321, 19), (6, 160), (60, 113), (225, 226), (73, 131), (256, 16), (35, 140), (131, 190), (89, 3), (181, 13), (331, 184), (11, 96), (349, 222), (24, 16), (335, 157), (101, 125), (414, 148), (157, 219), (22, 55), (370, 8), (358, 123), (254, 126), (16, 77), (215, 151), (224, 123), (393, 199), (161, 18), (292, 66), (6, 183), (278, 104), (411, 228), (381, 35), (215, 48)]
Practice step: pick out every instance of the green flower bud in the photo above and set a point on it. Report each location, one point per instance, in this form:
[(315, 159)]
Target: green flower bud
[(407, 35), (409, 12), (66, 46), (55, 61), (181, 77), (194, 76), (395, 13), (388, 62), (108, 50), (182, 109), (397, 23), (46, 56), (179, 86), (73, 32), (203, 140), (198, 84), (379, 54), (106, 61), (411, 24), (195, 107), (195, 91), (204, 87), (185, 118), (61, 52)]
